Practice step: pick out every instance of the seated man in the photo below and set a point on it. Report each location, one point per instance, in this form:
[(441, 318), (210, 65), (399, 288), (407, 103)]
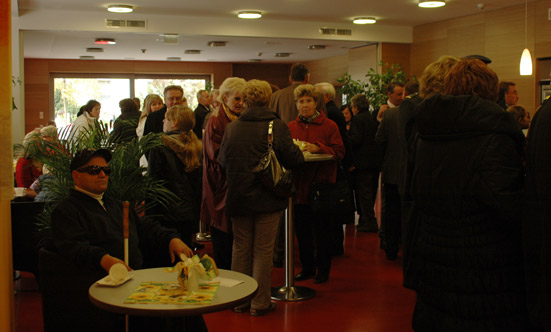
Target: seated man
[(87, 227)]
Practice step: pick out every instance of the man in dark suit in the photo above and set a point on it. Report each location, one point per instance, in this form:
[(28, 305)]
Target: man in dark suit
[(173, 95), (205, 99), (508, 94)]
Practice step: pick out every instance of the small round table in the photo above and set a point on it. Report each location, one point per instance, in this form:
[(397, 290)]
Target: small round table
[(112, 298), (290, 292)]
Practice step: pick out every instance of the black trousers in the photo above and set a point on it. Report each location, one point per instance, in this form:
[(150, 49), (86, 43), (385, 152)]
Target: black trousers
[(391, 223), (222, 247), (366, 183), (315, 242)]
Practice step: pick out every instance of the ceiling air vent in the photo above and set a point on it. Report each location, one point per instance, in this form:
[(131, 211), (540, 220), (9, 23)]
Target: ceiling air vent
[(216, 43), (327, 31), (135, 24), (170, 38), (344, 32), (115, 23), (192, 52), (94, 49), (86, 57), (173, 58), (282, 55)]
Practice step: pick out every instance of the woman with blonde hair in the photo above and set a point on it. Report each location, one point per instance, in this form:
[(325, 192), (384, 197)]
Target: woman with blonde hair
[(232, 103), (152, 103), (178, 162), (254, 209)]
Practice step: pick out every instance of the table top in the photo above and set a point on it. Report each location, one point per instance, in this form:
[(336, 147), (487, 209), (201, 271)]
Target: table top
[(112, 298), (311, 157)]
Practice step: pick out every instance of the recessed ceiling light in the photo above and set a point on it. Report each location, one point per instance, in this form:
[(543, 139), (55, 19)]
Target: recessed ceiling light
[(216, 43), (105, 41), (316, 47), (255, 60), (431, 4), (120, 8), (250, 15), (364, 20), (192, 52), (173, 58), (86, 57)]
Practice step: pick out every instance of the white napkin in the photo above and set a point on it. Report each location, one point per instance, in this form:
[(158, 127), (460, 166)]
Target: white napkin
[(226, 282)]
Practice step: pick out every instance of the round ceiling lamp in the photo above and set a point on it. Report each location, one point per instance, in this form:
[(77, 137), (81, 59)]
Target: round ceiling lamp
[(431, 4), (364, 20), (249, 15), (120, 8)]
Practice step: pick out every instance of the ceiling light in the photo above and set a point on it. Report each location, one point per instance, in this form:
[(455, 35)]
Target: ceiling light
[(364, 20), (86, 57), (173, 58), (216, 43), (192, 52), (316, 47), (250, 15), (526, 58), (105, 41), (282, 55), (120, 8), (255, 60), (431, 4)]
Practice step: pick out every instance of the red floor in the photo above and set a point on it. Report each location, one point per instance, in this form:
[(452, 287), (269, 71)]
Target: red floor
[(364, 293)]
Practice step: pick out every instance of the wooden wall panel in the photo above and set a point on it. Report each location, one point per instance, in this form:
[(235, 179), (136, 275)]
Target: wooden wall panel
[(361, 59), (497, 34), (277, 74), (394, 53), (328, 70)]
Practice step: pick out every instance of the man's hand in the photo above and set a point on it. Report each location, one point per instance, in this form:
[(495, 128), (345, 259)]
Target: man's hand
[(107, 261), (177, 247)]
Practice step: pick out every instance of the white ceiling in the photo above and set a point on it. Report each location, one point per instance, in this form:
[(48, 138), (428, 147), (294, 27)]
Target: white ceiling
[(65, 28)]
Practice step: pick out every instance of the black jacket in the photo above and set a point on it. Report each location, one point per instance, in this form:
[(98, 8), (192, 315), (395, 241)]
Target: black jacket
[(464, 234), (361, 135), (83, 231), (536, 226), (154, 122), (245, 141), (200, 114), (335, 114), (164, 164), (125, 126)]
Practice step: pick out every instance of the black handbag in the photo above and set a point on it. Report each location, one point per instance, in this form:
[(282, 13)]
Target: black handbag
[(270, 172), (326, 198)]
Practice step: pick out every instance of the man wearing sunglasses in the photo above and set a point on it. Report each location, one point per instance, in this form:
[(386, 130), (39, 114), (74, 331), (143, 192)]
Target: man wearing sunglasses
[(87, 227)]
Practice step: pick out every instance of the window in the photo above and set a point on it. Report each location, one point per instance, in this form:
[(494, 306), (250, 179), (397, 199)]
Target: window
[(73, 91)]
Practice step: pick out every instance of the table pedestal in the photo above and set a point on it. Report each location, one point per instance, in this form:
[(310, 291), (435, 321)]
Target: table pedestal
[(290, 292)]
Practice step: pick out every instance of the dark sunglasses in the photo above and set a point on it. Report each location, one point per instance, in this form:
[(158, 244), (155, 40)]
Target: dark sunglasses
[(95, 170)]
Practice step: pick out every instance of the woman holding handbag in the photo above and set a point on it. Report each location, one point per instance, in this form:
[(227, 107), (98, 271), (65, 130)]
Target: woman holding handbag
[(254, 208), (320, 135)]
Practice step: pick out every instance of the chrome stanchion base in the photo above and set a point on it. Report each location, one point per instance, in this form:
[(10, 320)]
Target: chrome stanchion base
[(294, 293)]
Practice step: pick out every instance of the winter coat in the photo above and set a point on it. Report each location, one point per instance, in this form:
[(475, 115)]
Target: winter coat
[(214, 178), (464, 237), (536, 226), (365, 155), (125, 126), (325, 134), (26, 172), (83, 123), (165, 164), (245, 142)]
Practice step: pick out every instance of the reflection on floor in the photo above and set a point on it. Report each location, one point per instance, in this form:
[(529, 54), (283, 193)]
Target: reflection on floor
[(364, 294)]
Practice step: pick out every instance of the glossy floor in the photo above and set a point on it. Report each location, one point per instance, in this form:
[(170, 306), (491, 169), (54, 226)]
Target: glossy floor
[(364, 294)]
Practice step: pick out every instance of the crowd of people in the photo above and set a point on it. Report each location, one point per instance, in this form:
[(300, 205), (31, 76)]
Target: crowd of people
[(454, 168)]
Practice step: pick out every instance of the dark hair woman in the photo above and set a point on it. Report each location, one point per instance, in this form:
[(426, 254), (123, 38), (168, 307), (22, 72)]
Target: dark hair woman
[(126, 124), (86, 118), (465, 260)]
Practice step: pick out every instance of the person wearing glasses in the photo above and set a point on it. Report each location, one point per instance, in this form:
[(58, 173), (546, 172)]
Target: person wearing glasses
[(87, 226)]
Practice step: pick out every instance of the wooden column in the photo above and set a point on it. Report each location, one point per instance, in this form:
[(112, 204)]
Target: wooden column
[(7, 313)]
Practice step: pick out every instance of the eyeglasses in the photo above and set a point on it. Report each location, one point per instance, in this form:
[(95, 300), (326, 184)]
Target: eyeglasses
[(95, 170)]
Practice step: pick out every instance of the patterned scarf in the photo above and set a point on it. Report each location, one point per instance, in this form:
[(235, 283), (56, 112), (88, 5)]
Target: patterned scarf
[(310, 119)]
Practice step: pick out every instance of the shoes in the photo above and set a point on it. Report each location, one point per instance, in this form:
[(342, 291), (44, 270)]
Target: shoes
[(339, 251), (242, 309), (261, 312), (304, 275), (391, 256), (278, 264), (321, 278)]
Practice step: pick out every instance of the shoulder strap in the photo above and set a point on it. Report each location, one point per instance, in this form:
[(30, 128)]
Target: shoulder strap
[(270, 134)]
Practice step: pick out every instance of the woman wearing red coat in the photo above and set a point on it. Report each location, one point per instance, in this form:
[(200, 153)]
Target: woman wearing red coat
[(213, 201), (321, 135)]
